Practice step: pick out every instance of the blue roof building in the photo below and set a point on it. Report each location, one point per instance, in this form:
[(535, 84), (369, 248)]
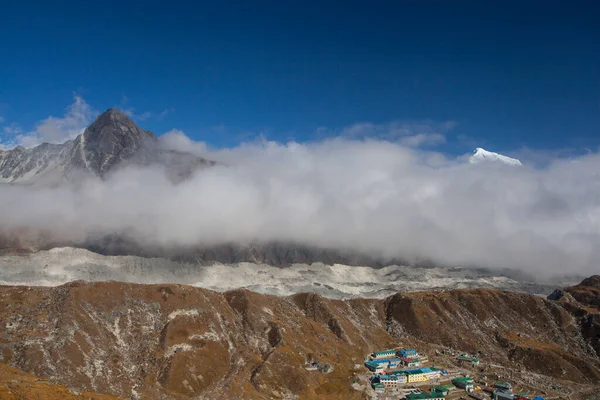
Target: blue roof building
[(408, 353), (377, 365)]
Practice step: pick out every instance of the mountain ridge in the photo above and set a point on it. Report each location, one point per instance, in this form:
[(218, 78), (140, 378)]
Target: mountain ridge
[(111, 142), (171, 341)]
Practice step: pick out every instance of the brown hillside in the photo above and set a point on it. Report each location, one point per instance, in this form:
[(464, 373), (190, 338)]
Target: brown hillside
[(18, 385), (179, 342)]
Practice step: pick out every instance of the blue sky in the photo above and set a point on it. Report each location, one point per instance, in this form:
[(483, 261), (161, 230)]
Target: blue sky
[(503, 76)]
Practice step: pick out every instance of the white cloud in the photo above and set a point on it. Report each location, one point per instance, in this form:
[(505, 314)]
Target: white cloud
[(412, 134), (175, 139), (59, 129), (423, 139), (371, 195), (12, 129), (165, 112), (8, 137), (130, 112)]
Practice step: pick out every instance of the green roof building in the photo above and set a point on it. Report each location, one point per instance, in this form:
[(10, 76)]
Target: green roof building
[(379, 387), (466, 358), (425, 396), (503, 385), (441, 390), (383, 354), (464, 383)]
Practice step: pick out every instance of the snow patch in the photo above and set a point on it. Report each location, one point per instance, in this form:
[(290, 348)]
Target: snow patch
[(187, 313), (481, 155), (177, 348)]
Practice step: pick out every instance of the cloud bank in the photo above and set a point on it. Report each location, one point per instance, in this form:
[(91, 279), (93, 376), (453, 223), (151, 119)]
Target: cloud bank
[(52, 129), (383, 198)]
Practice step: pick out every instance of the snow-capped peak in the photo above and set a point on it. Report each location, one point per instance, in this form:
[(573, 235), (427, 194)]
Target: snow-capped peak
[(481, 155)]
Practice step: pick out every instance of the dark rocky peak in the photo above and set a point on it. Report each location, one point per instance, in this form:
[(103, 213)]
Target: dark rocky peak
[(115, 124), (592, 281), (112, 139)]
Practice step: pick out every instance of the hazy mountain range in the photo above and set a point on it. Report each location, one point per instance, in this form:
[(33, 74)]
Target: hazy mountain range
[(111, 142)]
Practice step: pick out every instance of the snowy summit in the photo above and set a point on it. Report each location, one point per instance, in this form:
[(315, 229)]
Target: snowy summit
[(481, 155)]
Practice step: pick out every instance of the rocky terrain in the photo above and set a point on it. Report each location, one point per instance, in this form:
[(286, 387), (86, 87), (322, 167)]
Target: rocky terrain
[(61, 265), (179, 342)]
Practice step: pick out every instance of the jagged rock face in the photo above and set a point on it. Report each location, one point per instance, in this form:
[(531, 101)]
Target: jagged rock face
[(593, 281), (587, 292), (561, 295), (178, 342), (24, 165), (112, 141)]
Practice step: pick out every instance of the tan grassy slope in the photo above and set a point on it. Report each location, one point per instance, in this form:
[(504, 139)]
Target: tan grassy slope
[(179, 342), (18, 385)]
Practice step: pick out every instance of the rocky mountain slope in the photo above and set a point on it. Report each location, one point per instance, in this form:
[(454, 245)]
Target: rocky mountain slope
[(180, 342), (112, 141)]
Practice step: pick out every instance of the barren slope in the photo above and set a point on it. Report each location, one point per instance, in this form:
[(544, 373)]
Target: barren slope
[(178, 342), (19, 385)]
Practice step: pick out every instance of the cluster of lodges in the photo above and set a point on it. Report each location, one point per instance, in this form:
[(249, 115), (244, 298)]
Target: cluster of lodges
[(386, 365), (392, 380), (388, 359), (381, 362)]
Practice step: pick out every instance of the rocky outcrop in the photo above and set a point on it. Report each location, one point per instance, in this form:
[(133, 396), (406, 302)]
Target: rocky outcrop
[(111, 140), (587, 292)]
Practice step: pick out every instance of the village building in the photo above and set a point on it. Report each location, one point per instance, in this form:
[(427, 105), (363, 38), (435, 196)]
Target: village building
[(377, 365), (378, 387), (415, 376), (431, 373), (394, 362), (465, 359), (441, 390), (408, 353), (383, 354), (464, 383), (444, 389), (410, 362), (502, 395), (425, 396), (503, 386), (389, 381)]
